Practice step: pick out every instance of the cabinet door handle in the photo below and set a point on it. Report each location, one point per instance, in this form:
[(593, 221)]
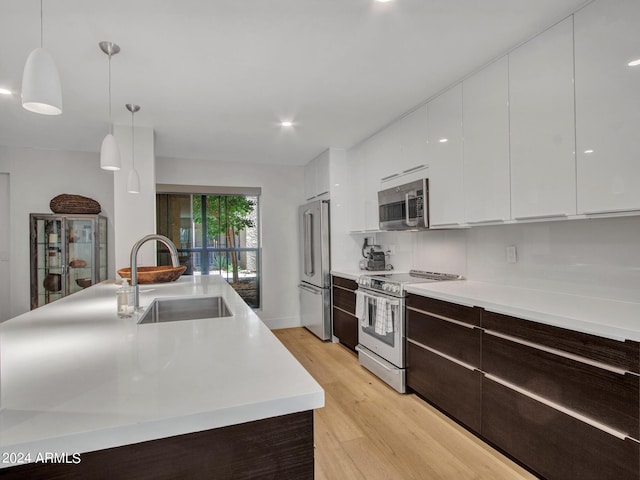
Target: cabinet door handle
[(559, 353), (443, 318), (413, 169), (480, 222), (389, 177), (444, 355), (534, 217), (621, 211), (558, 407)]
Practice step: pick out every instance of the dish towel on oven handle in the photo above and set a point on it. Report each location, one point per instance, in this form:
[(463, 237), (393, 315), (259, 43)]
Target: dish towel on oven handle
[(386, 311)]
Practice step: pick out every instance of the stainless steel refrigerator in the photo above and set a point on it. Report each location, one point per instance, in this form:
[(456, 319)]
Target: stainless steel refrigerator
[(315, 279)]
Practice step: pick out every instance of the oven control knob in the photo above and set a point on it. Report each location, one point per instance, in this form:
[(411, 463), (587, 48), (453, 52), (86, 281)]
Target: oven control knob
[(396, 289)]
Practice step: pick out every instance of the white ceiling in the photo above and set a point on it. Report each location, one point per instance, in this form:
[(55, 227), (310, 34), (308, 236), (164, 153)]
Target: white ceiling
[(214, 77)]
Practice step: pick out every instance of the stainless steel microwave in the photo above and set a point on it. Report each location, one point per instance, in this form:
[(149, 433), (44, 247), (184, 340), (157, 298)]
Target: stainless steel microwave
[(405, 207)]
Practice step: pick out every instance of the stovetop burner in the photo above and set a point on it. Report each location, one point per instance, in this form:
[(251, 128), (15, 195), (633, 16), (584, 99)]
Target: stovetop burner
[(393, 283)]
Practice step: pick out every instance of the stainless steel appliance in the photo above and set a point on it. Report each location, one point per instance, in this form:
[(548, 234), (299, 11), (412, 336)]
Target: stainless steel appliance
[(315, 279), (405, 207), (381, 312), (375, 259)]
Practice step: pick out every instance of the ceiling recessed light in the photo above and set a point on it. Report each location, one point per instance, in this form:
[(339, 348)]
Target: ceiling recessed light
[(634, 63), (5, 91), (286, 123), (588, 151), (443, 140), (383, 1)]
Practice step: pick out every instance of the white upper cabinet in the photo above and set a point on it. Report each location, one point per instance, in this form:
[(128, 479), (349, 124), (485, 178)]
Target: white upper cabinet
[(310, 180), (485, 115), (607, 38), (542, 125), (412, 141), (403, 144), (355, 185), (375, 158), (317, 176), (444, 151)]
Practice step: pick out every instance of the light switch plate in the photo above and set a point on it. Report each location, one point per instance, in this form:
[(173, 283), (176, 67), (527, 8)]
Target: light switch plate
[(511, 254)]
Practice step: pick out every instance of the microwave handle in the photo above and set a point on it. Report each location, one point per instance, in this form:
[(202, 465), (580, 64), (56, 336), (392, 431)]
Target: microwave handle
[(406, 205)]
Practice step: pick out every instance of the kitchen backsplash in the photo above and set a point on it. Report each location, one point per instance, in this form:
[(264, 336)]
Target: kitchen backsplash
[(595, 257)]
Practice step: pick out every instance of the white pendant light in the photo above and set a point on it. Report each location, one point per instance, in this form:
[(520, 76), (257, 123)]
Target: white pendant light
[(109, 153), (133, 181), (41, 92)]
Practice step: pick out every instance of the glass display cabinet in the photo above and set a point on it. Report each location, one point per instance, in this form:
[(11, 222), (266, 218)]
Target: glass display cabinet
[(68, 254)]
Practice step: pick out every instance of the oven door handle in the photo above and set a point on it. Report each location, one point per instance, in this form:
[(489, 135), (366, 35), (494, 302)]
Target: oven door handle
[(407, 197), (386, 367)]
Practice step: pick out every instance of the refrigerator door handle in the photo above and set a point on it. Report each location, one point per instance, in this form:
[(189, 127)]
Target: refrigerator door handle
[(310, 290), (308, 244)]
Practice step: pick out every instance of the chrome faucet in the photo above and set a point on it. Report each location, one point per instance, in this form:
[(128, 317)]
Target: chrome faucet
[(134, 261)]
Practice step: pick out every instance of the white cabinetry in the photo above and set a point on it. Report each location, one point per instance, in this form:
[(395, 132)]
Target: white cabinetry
[(608, 106), (386, 159), (407, 139), (444, 149), (355, 185), (485, 115), (374, 160), (543, 170), (317, 176)]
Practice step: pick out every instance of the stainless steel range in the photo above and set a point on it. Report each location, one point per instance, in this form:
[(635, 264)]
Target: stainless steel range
[(380, 310)]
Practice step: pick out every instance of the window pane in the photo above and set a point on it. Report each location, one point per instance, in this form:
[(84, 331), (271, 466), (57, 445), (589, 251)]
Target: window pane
[(215, 234)]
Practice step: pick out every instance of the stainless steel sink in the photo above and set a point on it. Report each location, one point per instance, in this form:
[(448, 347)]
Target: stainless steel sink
[(175, 309)]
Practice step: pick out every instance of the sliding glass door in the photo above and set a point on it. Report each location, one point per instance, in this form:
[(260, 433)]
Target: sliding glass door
[(215, 234)]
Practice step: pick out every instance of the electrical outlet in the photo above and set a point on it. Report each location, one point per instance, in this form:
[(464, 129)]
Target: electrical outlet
[(370, 240), (512, 256)]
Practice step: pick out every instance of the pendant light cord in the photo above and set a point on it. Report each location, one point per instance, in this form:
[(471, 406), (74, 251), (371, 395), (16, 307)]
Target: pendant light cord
[(110, 120), (133, 142), (41, 28)]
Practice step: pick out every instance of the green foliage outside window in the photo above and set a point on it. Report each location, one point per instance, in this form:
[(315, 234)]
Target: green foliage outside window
[(226, 216)]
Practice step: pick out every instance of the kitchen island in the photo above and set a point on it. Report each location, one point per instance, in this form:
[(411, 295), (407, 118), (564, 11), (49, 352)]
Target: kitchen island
[(76, 378)]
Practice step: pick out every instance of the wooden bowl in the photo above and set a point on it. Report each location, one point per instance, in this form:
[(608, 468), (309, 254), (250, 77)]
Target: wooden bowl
[(161, 274), (83, 282)]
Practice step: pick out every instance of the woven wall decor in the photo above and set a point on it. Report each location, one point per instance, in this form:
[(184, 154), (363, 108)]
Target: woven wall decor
[(66, 203)]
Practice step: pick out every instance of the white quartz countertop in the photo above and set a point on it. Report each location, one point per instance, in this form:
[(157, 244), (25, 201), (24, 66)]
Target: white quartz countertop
[(76, 378), (613, 319)]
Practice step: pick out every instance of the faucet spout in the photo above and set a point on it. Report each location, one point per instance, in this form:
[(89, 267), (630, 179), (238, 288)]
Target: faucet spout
[(134, 261)]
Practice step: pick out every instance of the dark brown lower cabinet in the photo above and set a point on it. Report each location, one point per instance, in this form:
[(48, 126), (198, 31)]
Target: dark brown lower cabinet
[(552, 443), (343, 300), (565, 404), (345, 327), (454, 388), (278, 447), (606, 396)]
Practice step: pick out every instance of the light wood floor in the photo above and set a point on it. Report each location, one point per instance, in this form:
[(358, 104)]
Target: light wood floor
[(369, 431)]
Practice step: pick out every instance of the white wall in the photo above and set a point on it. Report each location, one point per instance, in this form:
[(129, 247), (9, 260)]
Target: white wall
[(36, 176), (282, 189), (135, 213), (5, 273), (596, 257)]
